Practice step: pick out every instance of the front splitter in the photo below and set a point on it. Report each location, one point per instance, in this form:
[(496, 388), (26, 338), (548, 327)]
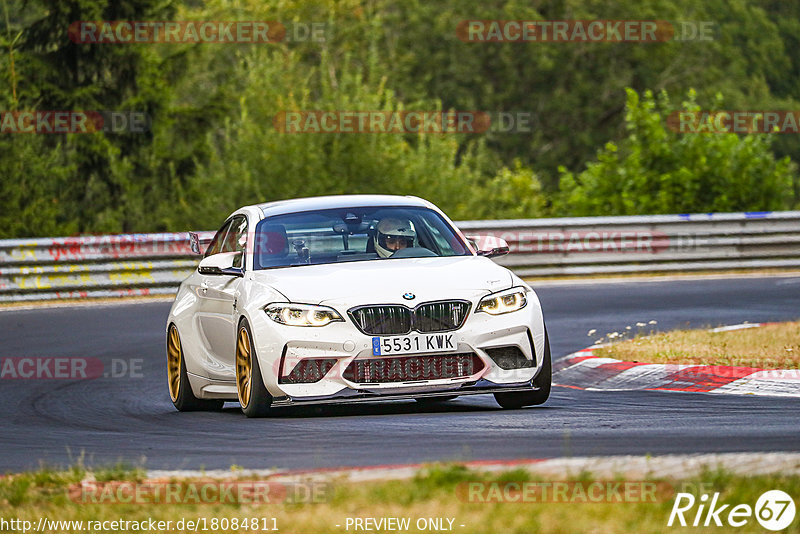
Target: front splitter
[(352, 396)]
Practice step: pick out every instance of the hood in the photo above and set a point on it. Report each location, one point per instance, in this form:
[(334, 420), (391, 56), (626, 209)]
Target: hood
[(386, 281)]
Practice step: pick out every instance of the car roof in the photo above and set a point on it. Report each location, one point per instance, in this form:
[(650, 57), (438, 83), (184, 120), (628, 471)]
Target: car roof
[(282, 207)]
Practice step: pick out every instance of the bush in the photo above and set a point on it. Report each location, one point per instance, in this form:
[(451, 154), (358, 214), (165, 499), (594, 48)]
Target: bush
[(656, 170)]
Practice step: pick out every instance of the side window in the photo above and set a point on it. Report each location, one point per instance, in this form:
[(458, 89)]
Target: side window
[(236, 240), (215, 247), (446, 242)]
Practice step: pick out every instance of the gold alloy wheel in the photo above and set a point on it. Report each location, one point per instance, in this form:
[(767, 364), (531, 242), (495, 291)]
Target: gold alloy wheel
[(244, 368), (174, 357)]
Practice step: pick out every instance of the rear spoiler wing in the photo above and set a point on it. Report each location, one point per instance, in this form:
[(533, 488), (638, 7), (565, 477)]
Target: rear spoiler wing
[(198, 241)]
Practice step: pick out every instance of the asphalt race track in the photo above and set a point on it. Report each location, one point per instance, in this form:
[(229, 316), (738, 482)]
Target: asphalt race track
[(131, 419)]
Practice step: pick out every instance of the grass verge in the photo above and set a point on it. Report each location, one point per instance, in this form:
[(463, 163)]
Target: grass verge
[(439, 491), (772, 346)]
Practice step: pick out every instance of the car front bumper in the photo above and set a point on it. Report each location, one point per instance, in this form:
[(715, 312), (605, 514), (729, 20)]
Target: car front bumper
[(281, 348)]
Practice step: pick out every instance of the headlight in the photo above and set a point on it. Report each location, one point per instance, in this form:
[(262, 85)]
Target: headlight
[(504, 302), (302, 314)]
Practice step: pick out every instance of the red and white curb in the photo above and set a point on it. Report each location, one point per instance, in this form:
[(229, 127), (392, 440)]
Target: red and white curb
[(582, 370)]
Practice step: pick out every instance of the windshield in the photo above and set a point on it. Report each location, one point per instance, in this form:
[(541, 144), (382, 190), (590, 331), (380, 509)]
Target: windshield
[(354, 234)]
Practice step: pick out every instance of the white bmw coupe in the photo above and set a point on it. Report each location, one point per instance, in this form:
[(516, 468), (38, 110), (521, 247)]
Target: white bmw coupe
[(352, 298)]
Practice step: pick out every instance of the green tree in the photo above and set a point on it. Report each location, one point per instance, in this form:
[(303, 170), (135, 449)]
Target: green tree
[(656, 170), (212, 146), (54, 73), (251, 161), (575, 90)]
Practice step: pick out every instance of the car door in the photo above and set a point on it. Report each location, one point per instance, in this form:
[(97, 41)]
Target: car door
[(216, 304)]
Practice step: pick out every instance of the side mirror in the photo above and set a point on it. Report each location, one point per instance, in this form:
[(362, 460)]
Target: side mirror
[(489, 246), (197, 241), (221, 264)]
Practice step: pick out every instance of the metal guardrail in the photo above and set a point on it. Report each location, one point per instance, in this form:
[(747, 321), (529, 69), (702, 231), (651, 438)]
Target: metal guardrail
[(94, 266), (153, 264), (650, 243)]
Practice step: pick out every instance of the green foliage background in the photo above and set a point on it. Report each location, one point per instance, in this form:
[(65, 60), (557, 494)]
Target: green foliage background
[(599, 143)]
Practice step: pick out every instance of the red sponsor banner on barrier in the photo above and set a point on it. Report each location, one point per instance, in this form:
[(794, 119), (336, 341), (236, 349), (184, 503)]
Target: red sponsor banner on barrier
[(187, 31), (734, 121), (118, 246), (131, 292), (360, 121), (215, 492)]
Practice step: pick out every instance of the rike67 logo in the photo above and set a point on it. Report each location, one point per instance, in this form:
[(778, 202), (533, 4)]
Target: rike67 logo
[(774, 510)]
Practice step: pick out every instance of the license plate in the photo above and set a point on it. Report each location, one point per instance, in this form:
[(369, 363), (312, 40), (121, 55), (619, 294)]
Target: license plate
[(383, 346)]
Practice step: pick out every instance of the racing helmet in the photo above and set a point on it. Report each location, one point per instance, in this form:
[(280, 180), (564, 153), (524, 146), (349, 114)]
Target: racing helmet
[(402, 229)]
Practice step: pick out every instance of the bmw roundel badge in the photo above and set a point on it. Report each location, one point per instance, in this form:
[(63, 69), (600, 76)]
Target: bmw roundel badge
[(409, 296)]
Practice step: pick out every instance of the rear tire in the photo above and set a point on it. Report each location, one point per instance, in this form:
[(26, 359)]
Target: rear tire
[(180, 390), (543, 381), (253, 395)]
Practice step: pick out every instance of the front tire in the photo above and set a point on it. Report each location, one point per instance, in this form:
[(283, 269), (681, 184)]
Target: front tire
[(180, 390), (253, 395), (542, 382)]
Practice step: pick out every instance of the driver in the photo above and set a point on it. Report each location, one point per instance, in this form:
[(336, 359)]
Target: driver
[(393, 235)]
